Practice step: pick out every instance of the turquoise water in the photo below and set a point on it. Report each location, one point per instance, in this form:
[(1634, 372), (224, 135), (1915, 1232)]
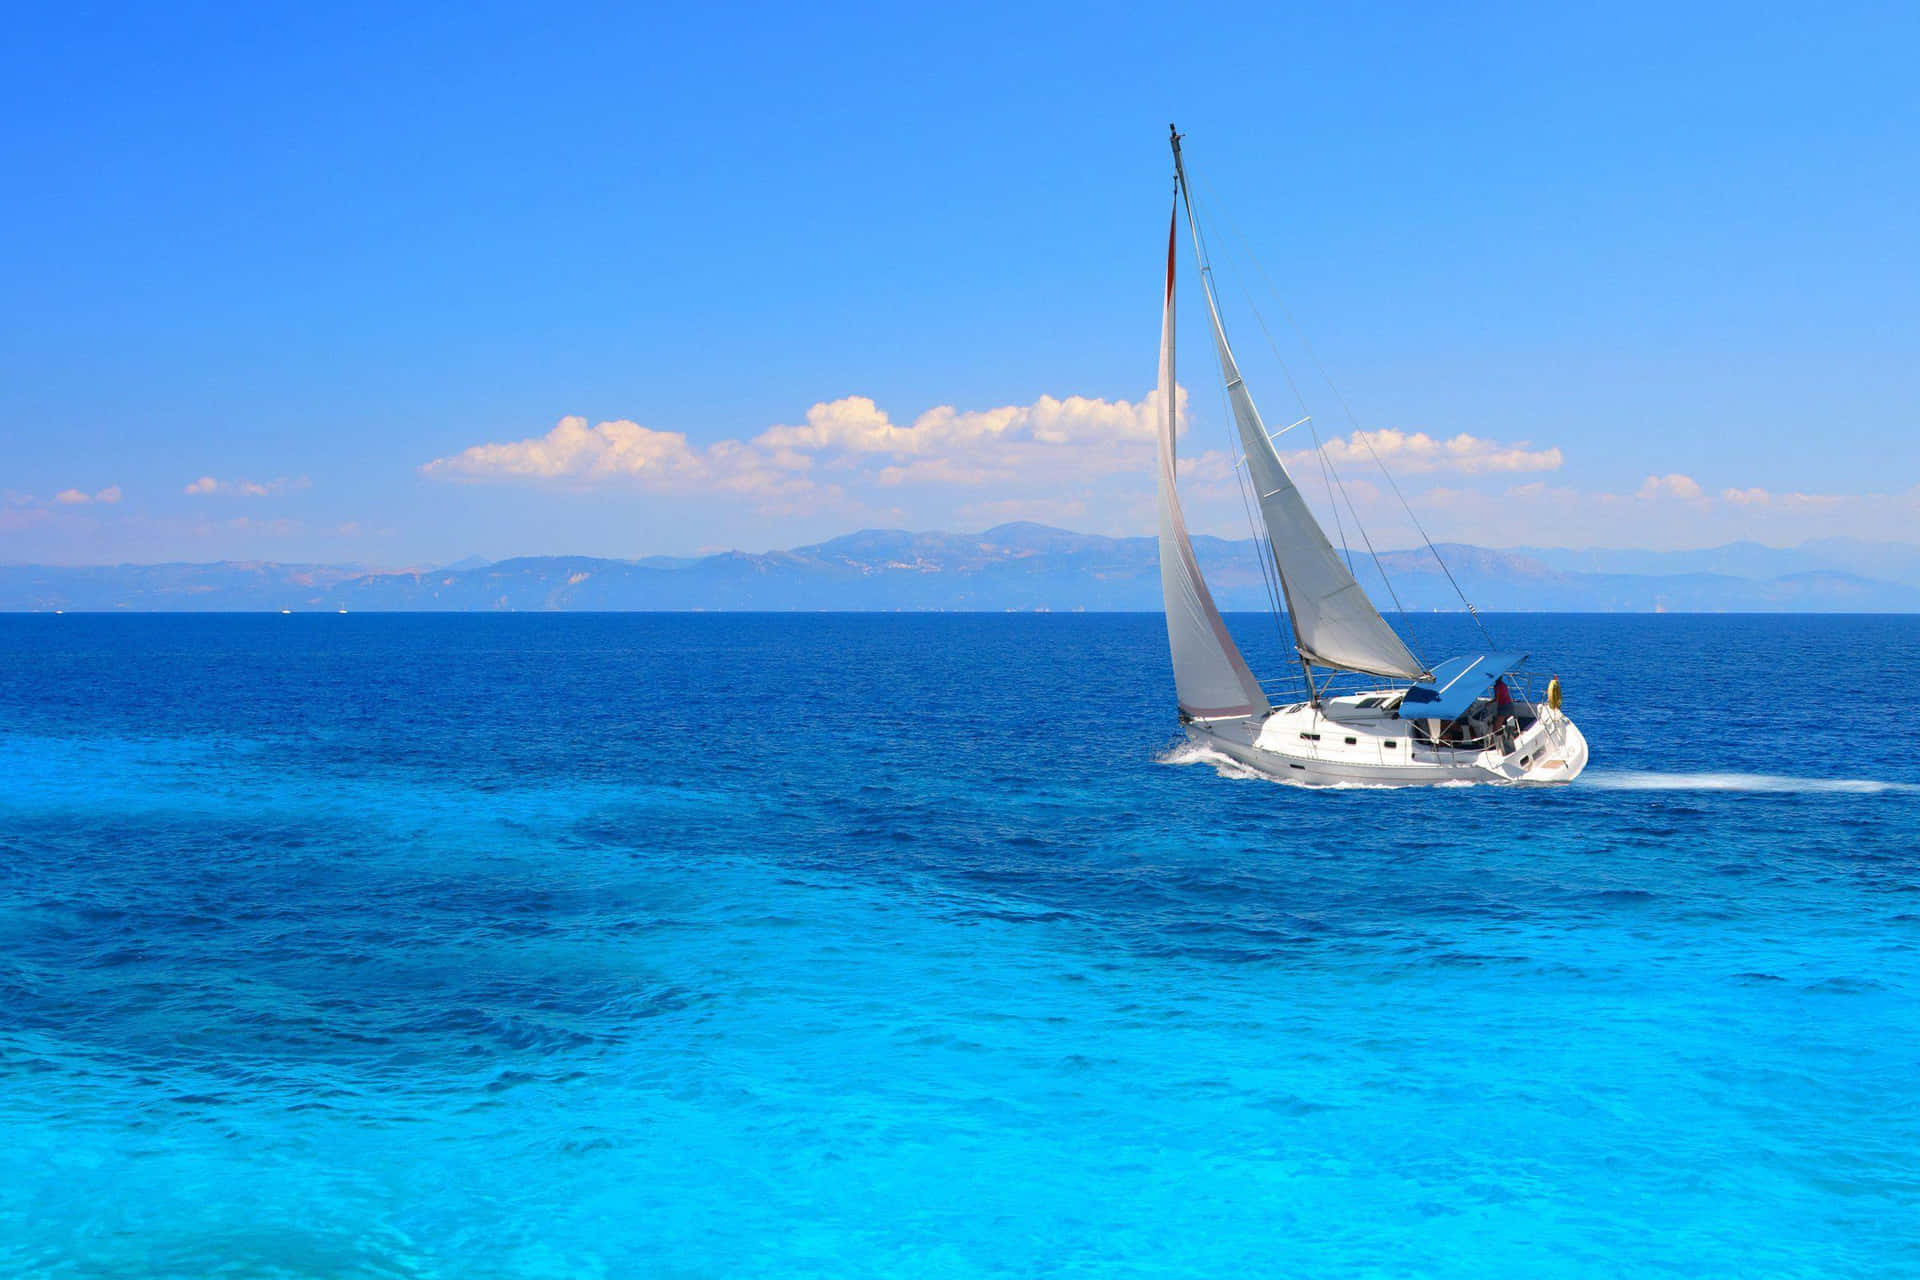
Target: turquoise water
[(855, 945)]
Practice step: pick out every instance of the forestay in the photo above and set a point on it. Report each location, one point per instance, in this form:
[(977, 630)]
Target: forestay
[(1212, 678), (1334, 623)]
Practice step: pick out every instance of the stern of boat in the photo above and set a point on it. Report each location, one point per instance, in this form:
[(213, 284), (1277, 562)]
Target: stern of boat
[(1554, 752)]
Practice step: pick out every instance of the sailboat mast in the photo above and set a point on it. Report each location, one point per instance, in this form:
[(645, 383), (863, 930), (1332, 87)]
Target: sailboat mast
[(1209, 673), (1206, 283)]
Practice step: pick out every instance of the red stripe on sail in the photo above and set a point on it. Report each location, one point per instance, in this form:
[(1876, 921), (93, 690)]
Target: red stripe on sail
[(1172, 223)]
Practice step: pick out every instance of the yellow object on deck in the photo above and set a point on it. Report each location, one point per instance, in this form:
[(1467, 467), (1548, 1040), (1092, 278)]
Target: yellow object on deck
[(1553, 693)]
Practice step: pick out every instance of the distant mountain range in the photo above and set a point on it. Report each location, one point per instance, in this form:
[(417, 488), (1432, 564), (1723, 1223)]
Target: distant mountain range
[(1014, 566)]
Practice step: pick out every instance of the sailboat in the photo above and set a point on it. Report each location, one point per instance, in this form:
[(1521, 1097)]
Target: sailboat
[(1369, 710)]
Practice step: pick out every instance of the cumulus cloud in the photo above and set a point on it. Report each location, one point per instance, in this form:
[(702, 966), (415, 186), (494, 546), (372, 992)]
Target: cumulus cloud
[(208, 486), (1672, 485), (855, 424), (80, 498), (1082, 459), (1415, 452), (623, 451), (846, 442), (1665, 511), (1797, 501)]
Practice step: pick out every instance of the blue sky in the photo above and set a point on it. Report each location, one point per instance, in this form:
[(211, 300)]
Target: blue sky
[(324, 284)]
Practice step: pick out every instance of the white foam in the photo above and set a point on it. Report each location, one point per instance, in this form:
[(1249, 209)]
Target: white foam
[(1633, 780), (1227, 767)]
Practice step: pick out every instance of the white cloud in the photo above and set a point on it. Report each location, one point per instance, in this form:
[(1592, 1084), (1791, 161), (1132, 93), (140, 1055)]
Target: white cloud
[(626, 452), (855, 424), (1416, 452), (74, 497), (1798, 502), (1666, 511), (1214, 466), (845, 444), (1078, 460), (208, 486), (1086, 462), (1672, 485)]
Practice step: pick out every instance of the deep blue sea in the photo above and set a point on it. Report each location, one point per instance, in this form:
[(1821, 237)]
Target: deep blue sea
[(708, 945)]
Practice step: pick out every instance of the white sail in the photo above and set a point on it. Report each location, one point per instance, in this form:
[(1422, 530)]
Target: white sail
[(1334, 624), (1212, 678)]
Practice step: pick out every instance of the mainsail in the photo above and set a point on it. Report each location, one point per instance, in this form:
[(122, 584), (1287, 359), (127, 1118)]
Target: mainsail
[(1334, 624), (1212, 678)]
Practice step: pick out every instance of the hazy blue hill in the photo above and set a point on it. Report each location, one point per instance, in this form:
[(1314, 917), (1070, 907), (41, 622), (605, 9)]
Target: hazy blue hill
[(1888, 561), (1012, 566), (227, 584)]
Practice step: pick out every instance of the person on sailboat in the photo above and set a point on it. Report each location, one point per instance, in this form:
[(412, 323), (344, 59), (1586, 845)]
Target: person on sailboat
[(1504, 721)]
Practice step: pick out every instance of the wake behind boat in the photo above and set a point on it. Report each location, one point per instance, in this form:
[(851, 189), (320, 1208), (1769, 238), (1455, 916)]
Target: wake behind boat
[(1468, 719)]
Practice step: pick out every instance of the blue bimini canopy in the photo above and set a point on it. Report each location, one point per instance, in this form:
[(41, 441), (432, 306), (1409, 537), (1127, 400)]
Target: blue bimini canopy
[(1457, 683)]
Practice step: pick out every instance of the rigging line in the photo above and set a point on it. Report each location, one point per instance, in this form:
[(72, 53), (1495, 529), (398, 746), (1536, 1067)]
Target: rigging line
[(1286, 371), (1421, 529), (1329, 470), (1268, 585), (1240, 478), (1276, 584), (1268, 572), (1283, 632), (1354, 420), (1325, 461), (1379, 565), (1320, 452), (1327, 467), (1220, 345), (1253, 530), (1273, 596), (1346, 548)]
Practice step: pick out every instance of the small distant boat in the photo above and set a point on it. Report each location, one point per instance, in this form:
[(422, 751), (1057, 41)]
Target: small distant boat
[(1468, 719)]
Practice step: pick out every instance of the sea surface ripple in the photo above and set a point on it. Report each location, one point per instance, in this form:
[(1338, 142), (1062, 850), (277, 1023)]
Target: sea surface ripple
[(541, 946)]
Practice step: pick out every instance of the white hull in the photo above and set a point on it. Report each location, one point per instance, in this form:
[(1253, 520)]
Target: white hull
[(1345, 743)]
